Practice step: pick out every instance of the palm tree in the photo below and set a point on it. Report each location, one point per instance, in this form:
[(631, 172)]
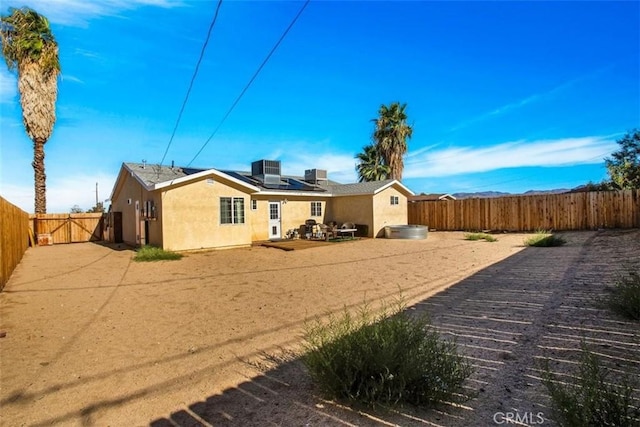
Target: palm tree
[(391, 134), (370, 165), (29, 47)]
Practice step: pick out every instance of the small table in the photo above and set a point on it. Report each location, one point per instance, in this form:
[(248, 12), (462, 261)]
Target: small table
[(342, 231)]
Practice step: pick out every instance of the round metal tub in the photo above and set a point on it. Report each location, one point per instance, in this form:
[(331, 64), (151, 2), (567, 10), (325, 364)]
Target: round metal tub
[(406, 231)]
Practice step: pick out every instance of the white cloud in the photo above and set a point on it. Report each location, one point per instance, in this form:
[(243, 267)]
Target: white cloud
[(70, 78), (339, 167), (528, 100), (462, 160), (430, 162), (501, 110), (78, 12), (63, 193), (87, 53), (19, 195), (8, 86)]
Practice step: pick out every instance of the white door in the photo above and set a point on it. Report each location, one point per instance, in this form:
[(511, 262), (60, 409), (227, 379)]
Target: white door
[(274, 220)]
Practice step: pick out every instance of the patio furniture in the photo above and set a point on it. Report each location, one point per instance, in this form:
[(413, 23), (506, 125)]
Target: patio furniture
[(347, 228), (312, 230), (310, 227), (330, 230)]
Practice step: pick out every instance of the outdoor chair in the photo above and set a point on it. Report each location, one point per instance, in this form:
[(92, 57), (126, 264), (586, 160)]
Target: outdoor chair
[(330, 230)]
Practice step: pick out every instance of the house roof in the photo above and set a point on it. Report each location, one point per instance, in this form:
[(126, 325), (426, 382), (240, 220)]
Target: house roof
[(154, 177), (150, 175), (431, 197), (363, 188)]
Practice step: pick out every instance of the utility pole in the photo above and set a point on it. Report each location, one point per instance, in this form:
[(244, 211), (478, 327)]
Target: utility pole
[(96, 195)]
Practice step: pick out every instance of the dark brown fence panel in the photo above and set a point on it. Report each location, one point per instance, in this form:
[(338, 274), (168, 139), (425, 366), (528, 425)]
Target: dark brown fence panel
[(568, 211), (14, 238), (68, 228)]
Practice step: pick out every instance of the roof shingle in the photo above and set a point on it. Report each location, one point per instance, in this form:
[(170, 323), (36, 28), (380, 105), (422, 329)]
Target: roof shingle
[(156, 174)]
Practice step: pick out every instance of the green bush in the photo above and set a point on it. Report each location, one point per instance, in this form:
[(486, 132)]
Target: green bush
[(151, 253), (389, 358), (590, 399), (544, 239), (480, 236), (624, 298)]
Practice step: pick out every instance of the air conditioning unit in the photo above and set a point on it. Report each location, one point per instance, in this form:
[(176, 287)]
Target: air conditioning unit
[(315, 176), (265, 167), (267, 170)]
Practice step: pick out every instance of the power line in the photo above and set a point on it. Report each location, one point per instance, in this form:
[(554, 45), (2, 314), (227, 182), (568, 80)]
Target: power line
[(193, 78), (250, 81)]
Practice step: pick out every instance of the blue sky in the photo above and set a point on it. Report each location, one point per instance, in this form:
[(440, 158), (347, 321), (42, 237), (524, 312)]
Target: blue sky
[(503, 96)]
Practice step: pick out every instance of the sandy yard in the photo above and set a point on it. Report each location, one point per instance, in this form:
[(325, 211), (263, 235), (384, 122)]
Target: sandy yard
[(93, 338)]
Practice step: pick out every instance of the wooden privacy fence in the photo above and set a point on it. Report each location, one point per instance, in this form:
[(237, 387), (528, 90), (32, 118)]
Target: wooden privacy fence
[(568, 211), (14, 238), (52, 229)]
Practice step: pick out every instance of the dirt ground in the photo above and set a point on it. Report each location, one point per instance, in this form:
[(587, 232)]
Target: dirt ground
[(93, 338)]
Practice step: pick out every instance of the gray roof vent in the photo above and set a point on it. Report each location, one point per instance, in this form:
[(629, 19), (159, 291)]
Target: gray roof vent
[(266, 170), (316, 176)]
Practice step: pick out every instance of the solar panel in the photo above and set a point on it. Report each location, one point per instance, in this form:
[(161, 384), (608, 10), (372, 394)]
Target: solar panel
[(285, 184)]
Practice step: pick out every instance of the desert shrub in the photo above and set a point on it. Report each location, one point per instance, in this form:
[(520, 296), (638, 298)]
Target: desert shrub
[(387, 359), (544, 238), (480, 236), (624, 298), (151, 253), (590, 398)]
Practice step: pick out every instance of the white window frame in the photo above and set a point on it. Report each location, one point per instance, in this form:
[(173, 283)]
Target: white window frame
[(316, 209), (254, 204), (394, 200), (236, 214)]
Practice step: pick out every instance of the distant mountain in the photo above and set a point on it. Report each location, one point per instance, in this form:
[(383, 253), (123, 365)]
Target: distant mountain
[(488, 194), (556, 191), (483, 195)]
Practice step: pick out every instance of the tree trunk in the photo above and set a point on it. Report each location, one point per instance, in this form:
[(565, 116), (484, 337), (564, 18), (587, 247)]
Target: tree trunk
[(39, 176)]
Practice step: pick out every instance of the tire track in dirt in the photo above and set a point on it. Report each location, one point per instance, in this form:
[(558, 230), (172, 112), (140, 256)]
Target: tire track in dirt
[(23, 395)]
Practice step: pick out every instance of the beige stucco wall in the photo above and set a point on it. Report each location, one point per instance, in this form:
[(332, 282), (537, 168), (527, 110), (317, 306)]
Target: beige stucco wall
[(191, 216), (154, 237), (375, 211), (293, 213), (386, 213), (129, 189), (356, 209), (259, 219)]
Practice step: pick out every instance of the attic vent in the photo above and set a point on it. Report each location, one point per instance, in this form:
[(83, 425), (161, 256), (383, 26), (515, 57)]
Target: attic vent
[(315, 176), (266, 170)]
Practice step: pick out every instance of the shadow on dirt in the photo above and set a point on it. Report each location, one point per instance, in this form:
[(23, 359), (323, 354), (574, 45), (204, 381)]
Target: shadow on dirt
[(538, 304)]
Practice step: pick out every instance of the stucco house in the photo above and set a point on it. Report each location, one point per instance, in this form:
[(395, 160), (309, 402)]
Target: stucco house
[(190, 209)]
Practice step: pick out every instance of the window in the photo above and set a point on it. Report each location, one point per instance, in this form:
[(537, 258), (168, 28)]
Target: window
[(231, 210), (394, 200), (238, 210), (254, 205), (274, 211), (149, 211), (316, 208)]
